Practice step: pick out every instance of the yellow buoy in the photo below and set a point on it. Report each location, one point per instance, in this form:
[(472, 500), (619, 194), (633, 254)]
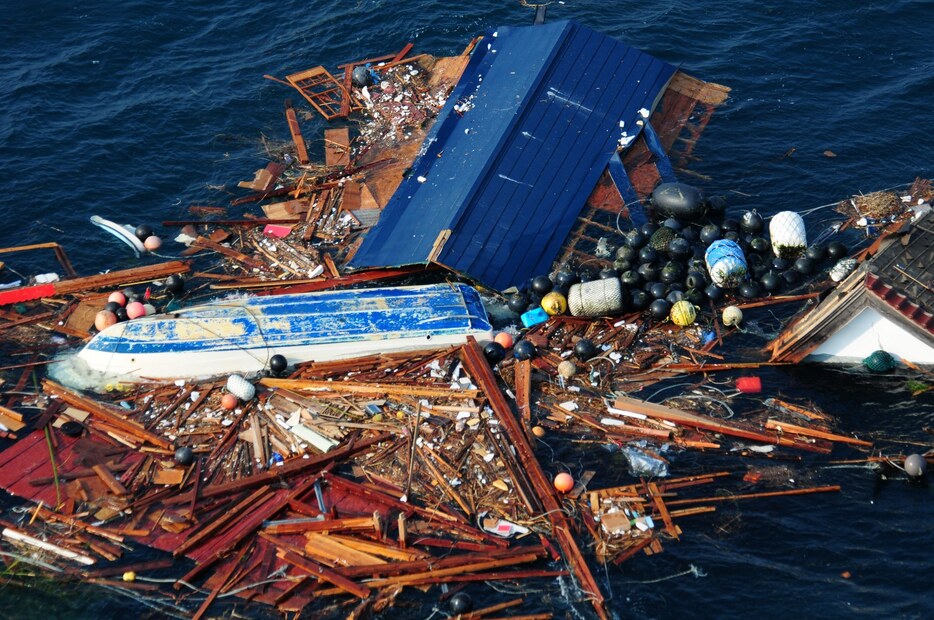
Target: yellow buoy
[(554, 303), (683, 313)]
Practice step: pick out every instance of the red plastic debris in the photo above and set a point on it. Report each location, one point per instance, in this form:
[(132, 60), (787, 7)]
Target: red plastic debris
[(26, 293), (749, 385)]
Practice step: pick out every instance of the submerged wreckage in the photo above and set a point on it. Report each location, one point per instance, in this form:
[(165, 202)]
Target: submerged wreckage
[(369, 440)]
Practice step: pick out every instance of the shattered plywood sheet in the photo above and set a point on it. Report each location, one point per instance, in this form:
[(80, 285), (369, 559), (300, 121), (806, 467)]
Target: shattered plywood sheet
[(264, 178)]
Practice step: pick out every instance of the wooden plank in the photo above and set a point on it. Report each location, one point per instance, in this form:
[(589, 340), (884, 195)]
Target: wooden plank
[(287, 211), (403, 52), (787, 427), (333, 551), (324, 574), (353, 387), (384, 550), (441, 573), (695, 421), (168, 476), (350, 199), (345, 93), (82, 318), (11, 419), (337, 147), (331, 267), (108, 479), (216, 525), (656, 496), (300, 150)]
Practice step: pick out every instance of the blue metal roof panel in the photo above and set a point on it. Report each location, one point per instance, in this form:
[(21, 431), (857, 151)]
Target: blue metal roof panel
[(516, 152)]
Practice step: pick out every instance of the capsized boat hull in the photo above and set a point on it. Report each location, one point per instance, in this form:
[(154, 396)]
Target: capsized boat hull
[(239, 335)]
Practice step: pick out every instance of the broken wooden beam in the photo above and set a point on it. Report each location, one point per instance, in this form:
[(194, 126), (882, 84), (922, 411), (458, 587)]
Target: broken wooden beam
[(787, 427), (695, 421), (353, 387), (216, 525), (300, 151), (324, 574), (523, 380), (722, 498)]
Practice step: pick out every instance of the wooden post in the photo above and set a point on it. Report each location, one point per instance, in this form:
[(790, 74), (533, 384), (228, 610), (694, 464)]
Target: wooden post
[(479, 369)]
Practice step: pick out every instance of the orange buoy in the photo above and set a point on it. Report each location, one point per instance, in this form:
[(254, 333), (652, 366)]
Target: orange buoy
[(104, 319), (564, 482), (229, 401), (135, 309), (117, 297), (504, 339)]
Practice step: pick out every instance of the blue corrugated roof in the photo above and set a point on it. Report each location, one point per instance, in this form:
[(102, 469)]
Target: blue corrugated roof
[(515, 152)]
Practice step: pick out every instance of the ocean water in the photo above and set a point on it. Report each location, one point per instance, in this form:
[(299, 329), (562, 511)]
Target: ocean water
[(136, 110)]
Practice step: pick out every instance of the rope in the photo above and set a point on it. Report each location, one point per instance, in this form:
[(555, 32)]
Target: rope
[(161, 607), (693, 570)]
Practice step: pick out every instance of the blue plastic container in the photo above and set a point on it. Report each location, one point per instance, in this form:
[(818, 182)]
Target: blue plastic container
[(726, 263)]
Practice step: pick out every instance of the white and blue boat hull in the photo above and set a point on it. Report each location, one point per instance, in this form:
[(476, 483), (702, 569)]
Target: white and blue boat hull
[(240, 335)]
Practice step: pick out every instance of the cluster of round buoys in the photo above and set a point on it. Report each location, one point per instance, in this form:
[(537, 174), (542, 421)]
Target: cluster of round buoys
[(688, 256), (123, 306), (145, 234), (130, 304)]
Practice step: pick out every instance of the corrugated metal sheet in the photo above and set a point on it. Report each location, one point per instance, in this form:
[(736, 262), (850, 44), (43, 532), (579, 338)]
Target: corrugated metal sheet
[(514, 154)]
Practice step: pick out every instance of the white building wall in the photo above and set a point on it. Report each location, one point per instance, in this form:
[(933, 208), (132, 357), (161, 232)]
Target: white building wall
[(871, 331)]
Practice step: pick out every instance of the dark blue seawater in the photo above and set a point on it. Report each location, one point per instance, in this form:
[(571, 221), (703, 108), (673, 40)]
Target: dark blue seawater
[(135, 110)]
